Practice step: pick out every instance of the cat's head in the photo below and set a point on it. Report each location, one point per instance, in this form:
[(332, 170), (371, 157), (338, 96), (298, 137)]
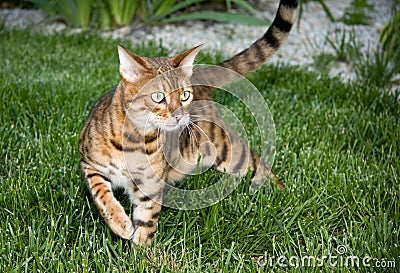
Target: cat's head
[(157, 92)]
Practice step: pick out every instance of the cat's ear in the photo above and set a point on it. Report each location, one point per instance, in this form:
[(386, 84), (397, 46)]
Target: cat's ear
[(131, 66), (185, 60)]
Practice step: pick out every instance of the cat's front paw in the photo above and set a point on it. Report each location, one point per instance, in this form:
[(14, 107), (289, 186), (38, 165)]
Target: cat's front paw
[(256, 184), (143, 236), (123, 227)]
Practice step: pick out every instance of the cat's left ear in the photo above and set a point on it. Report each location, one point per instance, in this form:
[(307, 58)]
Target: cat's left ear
[(185, 60), (131, 66)]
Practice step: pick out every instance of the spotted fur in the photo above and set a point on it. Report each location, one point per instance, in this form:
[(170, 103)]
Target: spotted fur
[(147, 132)]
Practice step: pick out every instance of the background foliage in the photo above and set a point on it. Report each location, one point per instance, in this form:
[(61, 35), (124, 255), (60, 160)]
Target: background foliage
[(390, 36), (117, 13)]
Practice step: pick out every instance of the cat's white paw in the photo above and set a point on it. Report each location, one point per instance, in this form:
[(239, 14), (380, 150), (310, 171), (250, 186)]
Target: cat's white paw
[(123, 228), (143, 236), (127, 233)]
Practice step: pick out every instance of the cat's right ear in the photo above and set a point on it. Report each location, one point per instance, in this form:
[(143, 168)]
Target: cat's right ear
[(131, 66)]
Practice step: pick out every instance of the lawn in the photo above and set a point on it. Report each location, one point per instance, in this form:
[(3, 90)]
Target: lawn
[(337, 152)]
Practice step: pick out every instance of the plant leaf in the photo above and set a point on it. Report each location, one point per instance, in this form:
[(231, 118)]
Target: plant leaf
[(45, 5), (164, 10), (244, 5), (84, 10), (219, 17)]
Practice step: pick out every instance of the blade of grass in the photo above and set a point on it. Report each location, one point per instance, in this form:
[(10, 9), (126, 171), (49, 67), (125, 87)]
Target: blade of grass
[(327, 10)]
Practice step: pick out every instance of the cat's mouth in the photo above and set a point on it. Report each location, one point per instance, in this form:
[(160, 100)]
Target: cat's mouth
[(174, 123)]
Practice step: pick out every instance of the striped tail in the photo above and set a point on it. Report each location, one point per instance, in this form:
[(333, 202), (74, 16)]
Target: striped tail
[(262, 49)]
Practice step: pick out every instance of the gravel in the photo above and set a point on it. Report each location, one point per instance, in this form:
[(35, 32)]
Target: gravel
[(307, 39)]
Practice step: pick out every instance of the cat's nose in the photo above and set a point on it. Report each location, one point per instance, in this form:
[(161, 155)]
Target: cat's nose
[(178, 117), (178, 114)]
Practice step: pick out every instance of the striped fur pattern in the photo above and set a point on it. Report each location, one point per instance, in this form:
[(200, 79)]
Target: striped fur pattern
[(149, 130)]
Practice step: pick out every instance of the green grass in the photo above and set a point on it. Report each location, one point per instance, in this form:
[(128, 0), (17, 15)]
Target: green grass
[(337, 151)]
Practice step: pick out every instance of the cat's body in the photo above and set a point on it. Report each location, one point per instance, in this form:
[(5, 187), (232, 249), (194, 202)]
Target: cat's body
[(150, 130)]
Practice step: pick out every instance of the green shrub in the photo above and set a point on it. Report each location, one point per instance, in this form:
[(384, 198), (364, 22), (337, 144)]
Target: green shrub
[(212, 15), (357, 13), (17, 3), (75, 13), (390, 36), (122, 11), (376, 69), (344, 45), (116, 13)]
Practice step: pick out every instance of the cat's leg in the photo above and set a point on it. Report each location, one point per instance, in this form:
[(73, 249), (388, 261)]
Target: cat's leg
[(147, 208), (220, 146), (145, 219), (232, 155), (109, 207), (239, 159)]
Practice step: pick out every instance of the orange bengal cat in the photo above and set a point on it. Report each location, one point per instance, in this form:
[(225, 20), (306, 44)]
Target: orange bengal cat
[(128, 124)]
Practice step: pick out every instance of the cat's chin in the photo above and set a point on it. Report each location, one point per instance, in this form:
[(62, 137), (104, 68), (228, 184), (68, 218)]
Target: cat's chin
[(172, 126)]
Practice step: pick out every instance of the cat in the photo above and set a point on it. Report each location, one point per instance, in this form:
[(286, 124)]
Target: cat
[(146, 131)]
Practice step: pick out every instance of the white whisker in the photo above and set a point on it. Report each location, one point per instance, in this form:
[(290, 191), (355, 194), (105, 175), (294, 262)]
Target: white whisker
[(194, 140), (198, 128)]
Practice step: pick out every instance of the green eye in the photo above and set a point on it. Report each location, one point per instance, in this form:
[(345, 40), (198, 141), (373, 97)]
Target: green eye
[(185, 95), (157, 97)]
